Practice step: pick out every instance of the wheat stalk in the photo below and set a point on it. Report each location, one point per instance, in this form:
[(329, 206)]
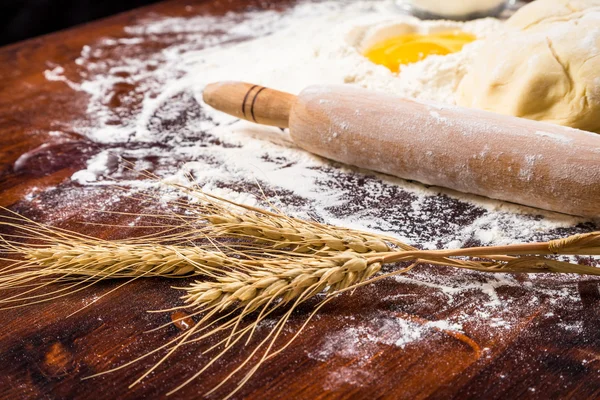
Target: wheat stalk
[(279, 231), (304, 237), (283, 280), (230, 219), (271, 285), (52, 255), (274, 283), (276, 261), (80, 265), (121, 260)]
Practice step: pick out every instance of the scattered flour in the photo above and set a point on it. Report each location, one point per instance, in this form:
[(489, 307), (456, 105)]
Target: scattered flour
[(362, 342), (99, 165)]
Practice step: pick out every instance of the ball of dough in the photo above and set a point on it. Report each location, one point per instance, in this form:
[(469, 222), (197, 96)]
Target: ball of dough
[(548, 72), (549, 11)]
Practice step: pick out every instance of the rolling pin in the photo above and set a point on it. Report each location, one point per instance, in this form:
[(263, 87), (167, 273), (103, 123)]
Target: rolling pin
[(507, 158)]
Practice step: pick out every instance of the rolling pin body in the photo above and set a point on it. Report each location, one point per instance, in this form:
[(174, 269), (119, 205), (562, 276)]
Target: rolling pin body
[(506, 158)]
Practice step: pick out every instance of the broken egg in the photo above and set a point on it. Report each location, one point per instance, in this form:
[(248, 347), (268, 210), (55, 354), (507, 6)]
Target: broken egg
[(413, 47)]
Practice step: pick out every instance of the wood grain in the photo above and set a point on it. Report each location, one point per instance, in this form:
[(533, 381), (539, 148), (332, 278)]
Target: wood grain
[(45, 352)]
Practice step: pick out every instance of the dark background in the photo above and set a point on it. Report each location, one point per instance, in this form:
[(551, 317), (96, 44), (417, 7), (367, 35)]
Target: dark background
[(22, 19)]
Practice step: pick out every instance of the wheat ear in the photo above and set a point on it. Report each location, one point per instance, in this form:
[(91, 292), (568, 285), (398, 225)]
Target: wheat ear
[(235, 296), (284, 235), (270, 286), (235, 220), (290, 281), (284, 262), (52, 255), (280, 280)]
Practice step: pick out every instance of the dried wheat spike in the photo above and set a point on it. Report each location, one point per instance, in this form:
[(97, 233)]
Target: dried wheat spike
[(284, 280), (120, 260), (298, 235), (81, 263)]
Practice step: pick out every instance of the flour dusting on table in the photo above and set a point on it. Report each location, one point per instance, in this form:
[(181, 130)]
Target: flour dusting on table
[(148, 110)]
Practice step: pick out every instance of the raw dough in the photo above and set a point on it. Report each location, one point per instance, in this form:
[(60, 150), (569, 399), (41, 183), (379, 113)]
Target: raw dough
[(546, 69), (549, 11)]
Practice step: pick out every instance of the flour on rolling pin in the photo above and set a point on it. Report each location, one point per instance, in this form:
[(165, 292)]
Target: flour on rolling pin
[(468, 150)]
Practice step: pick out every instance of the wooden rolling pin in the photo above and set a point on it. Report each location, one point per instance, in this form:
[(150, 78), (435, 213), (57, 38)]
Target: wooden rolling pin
[(513, 159)]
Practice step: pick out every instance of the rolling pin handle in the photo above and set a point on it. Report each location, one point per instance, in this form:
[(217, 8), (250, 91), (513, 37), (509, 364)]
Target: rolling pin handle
[(253, 103)]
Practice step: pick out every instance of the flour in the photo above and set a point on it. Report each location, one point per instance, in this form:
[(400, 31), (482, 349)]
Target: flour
[(99, 165), (148, 110), (362, 342)]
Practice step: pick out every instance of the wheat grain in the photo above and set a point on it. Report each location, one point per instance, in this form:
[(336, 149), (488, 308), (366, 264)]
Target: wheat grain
[(231, 219), (283, 280), (127, 260), (297, 235), (82, 261)]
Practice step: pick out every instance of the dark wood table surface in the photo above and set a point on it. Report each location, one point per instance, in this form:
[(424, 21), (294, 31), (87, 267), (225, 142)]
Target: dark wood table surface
[(45, 352)]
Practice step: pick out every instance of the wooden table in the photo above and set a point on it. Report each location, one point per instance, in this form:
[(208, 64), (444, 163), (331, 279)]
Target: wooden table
[(547, 351)]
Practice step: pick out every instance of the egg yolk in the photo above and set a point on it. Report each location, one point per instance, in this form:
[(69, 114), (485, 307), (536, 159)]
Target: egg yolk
[(413, 47)]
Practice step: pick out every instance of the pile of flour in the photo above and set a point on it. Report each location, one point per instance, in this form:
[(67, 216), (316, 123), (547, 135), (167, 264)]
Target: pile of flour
[(148, 109)]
